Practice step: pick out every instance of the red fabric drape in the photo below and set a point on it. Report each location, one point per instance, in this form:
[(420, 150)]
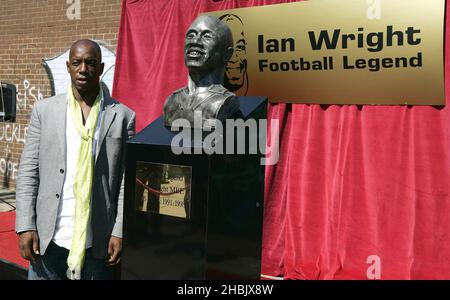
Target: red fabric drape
[(352, 181)]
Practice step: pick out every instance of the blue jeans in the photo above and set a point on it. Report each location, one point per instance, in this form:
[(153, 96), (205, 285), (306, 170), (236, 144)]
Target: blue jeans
[(53, 266)]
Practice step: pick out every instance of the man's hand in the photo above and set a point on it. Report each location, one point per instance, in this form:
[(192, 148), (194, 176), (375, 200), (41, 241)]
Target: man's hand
[(114, 251), (29, 245)]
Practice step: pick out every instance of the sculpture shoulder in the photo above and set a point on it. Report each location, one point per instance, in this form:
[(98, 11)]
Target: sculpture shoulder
[(219, 89), (218, 97), (175, 96), (223, 102), (223, 95), (181, 91), (215, 89)]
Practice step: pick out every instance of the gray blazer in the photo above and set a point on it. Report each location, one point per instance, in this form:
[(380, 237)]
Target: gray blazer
[(41, 171)]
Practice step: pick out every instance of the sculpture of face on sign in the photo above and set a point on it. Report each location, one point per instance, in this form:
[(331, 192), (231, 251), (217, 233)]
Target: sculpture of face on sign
[(207, 50), (236, 77)]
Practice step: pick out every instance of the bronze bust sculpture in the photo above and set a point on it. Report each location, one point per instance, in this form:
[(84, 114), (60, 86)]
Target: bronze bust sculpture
[(208, 47)]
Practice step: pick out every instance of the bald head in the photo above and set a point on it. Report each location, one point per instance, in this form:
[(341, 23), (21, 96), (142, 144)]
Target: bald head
[(85, 66), (85, 43), (208, 44), (218, 26)]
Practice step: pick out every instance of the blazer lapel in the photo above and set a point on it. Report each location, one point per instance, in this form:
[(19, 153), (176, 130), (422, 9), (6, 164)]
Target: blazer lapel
[(107, 119), (60, 119)]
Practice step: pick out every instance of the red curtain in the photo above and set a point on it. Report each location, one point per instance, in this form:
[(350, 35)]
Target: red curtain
[(352, 181)]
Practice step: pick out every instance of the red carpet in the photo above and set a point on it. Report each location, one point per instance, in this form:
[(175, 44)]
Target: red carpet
[(9, 242)]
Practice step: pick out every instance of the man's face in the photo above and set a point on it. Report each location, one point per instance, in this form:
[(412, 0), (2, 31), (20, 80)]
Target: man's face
[(237, 66), (203, 49), (85, 68)]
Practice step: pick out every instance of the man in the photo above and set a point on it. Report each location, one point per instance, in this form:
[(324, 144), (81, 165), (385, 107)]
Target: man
[(70, 182), (208, 47), (236, 77)]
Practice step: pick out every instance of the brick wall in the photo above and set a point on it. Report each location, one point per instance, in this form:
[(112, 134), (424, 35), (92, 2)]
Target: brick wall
[(34, 30)]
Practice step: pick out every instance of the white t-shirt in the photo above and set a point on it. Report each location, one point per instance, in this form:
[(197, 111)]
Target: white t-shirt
[(66, 210)]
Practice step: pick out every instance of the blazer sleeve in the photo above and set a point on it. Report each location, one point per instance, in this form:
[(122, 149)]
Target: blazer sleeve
[(118, 226), (27, 184)]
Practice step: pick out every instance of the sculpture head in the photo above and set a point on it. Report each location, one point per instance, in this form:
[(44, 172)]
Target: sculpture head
[(208, 48), (236, 69), (208, 45)]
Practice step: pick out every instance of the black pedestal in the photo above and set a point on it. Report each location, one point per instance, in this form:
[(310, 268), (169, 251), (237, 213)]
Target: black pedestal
[(192, 216)]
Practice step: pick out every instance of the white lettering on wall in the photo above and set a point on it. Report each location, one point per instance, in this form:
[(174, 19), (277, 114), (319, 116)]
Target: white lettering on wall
[(29, 92), (13, 133), (8, 167), (74, 10)]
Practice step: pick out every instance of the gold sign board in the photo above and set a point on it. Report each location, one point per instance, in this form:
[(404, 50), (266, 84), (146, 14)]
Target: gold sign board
[(163, 189), (339, 51)]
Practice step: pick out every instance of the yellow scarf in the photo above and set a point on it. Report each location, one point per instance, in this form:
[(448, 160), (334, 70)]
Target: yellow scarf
[(82, 185)]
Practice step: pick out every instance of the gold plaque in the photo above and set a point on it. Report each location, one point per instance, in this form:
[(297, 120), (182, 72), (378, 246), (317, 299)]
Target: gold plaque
[(339, 51), (163, 189)]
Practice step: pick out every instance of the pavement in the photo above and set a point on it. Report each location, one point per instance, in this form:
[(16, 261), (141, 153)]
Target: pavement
[(7, 200)]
